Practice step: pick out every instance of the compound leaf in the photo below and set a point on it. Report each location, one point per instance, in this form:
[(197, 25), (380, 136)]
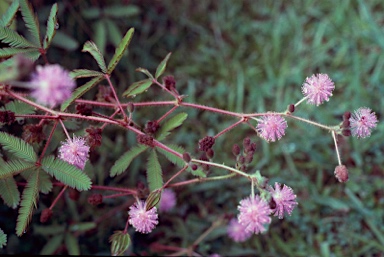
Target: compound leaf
[(154, 173), (137, 88), (161, 68), (18, 147), (125, 160), (9, 14), (30, 20), (84, 73), (120, 50), (51, 26), (170, 124), (3, 238), (92, 48), (14, 39), (9, 192)]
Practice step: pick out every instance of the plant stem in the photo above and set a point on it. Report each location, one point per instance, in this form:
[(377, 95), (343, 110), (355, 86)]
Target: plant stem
[(58, 197), (48, 141), (223, 167), (115, 95), (337, 149), (229, 128)]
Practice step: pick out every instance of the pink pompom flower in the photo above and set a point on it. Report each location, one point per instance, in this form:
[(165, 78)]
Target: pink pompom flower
[(142, 220), (272, 127), (75, 152), (168, 200), (317, 89), (254, 214), (51, 85), (237, 231), (362, 121), (284, 199)]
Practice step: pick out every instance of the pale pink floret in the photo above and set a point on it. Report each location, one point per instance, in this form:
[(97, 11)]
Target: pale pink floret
[(318, 88), (237, 232), (272, 127), (168, 200), (254, 214), (75, 152), (51, 85), (284, 199), (142, 220), (362, 121)]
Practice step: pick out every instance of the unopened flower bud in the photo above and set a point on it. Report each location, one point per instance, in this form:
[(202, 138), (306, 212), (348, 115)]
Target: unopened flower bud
[(210, 153), (291, 108), (46, 214), (7, 117), (249, 157), (241, 159), (341, 173), (95, 199), (236, 150), (84, 109), (194, 167), (246, 142), (206, 143), (186, 157), (346, 124), (346, 132), (346, 115), (145, 140)]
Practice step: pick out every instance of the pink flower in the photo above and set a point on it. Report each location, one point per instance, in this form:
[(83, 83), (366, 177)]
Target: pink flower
[(362, 121), (168, 200), (284, 199), (142, 220), (75, 152), (52, 85), (272, 127), (237, 232), (254, 214), (318, 88)]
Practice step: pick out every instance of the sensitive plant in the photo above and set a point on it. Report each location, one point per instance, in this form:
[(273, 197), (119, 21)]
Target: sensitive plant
[(51, 93)]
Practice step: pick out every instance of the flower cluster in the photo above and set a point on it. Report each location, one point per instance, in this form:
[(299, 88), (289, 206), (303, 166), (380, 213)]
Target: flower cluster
[(272, 127), (75, 152), (317, 89), (51, 85), (143, 220), (362, 121)]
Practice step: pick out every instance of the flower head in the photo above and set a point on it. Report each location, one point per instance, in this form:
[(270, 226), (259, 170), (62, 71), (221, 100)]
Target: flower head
[(362, 121), (52, 85), (272, 127), (254, 214), (142, 220), (318, 88), (168, 200), (75, 152), (284, 199), (237, 231)]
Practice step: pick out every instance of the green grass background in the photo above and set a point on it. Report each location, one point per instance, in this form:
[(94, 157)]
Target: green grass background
[(243, 56)]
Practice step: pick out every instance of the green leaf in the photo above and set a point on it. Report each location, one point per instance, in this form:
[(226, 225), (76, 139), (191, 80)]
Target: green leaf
[(125, 160), (161, 68), (91, 48), (81, 91), (18, 107), (9, 14), (51, 26), (10, 51), (13, 38), (65, 41), (146, 72), (33, 55), (84, 73), (28, 202), (9, 192), (83, 226), (137, 88), (3, 238), (66, 173), (121, 11), (100, 35), (170, 124), (113, 32), (13, 167), (173, 158), (18, 147), (30, 20), (120, 50), (45, 183), (120, 242), (72, 244), (52, 245), (154, 173)]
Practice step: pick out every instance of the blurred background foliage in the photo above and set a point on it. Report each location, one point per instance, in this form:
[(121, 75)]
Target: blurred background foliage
[(243, 56)]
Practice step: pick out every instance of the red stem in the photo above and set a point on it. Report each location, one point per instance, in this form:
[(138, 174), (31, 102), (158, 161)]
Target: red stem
[(229, 128), (48, 141), (115, 95), (58, 197)]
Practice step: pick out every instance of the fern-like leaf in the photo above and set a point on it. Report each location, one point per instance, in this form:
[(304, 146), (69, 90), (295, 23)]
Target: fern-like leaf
[(154, 172), (9, 192), (18, 107), (92, 48), (28, 202), (66, 173), (81, 91), (120, 50), (9, 14), (170, 124), (84, 73), (125, 160), (161, 68), (30, 20), (18, 147), (3, 238), (45, 183), (173, 158), (52, 245), (13, 38), (10, 51), (13, 167), (51, 25), (137, 88)]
